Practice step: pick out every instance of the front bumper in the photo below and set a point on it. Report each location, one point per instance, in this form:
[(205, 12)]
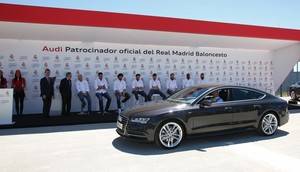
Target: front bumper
[(127, 129)]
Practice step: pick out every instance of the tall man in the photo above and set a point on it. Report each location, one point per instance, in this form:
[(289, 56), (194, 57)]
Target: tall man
[(65, 88), (101, 87), (171, 84), (155, 87), (138, 88), (83, 89), (47, 91), (120, 91), (187, 82)]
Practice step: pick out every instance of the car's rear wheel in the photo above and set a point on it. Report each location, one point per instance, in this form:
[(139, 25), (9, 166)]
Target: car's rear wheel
[(268, 124), (169, 135), (293, 95)]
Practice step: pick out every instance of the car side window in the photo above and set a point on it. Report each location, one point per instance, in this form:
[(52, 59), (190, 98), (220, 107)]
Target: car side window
[(217, 96), (244, 94)]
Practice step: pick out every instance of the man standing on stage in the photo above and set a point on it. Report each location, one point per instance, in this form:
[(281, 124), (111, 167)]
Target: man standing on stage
[(65, 88), (47, 91)]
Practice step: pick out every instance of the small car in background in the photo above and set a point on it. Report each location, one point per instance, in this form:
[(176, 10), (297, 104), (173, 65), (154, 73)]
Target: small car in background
[(294, 91)]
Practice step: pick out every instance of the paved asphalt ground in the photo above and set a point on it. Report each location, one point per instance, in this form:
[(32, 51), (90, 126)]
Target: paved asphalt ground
[(97, 147)]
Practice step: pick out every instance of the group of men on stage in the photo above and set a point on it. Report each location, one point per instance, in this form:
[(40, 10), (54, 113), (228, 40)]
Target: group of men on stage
[(101, 89)]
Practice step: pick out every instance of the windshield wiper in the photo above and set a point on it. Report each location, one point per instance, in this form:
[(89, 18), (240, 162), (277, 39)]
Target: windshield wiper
[(173, 100), (178, 101)]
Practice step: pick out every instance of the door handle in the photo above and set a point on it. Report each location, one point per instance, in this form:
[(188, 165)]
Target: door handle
[(256, 107), (228, 108)]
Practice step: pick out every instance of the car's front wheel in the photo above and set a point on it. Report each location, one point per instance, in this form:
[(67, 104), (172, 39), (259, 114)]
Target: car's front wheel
[(268, 124), (169, 135)]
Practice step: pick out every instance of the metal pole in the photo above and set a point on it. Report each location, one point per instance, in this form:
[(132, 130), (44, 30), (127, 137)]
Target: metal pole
[(281, 90), (297, 74)]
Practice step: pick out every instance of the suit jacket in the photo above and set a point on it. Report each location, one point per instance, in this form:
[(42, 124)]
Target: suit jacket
[(3, 83), (65, 87), (47, 88)]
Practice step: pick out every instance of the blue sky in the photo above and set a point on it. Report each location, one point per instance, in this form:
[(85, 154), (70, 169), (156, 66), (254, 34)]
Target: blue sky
[(277, 13)]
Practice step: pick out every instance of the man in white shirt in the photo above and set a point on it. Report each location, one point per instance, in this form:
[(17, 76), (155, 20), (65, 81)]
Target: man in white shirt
[(171, 84), (138, 88), (155, 87), (120, 91), (202, 79), (188, 82), (83, 89), (101, 87)]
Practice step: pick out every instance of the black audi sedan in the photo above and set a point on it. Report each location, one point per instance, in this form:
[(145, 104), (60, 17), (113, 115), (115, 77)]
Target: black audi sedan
[(201, 109)]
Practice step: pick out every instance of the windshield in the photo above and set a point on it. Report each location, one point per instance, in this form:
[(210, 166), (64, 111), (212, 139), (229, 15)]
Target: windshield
[(187, 95)]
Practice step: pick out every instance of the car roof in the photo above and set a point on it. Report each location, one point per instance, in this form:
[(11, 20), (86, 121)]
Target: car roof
[(209, 85), (212, 86)]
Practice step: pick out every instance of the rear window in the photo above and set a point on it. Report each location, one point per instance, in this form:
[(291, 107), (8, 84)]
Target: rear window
[(243, 94)]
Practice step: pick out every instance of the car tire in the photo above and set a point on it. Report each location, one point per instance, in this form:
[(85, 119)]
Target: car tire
[(169, 134), (268, 124), (293, 95)]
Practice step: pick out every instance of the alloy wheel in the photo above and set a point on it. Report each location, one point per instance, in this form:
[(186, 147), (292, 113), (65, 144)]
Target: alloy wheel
[(293, 95), (170, 135), (269, 124)]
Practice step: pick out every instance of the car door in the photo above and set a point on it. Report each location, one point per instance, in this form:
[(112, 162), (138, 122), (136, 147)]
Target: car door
[(245, 105), (215, 117)]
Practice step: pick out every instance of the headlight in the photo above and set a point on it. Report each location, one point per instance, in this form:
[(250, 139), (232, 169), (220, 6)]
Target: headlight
[(119, 118), (140, 120)]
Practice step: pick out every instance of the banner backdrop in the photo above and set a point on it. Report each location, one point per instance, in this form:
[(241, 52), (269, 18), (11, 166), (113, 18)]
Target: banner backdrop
[(227, 66)]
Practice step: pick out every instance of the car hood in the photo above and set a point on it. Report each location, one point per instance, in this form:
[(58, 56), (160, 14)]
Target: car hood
[(154, 108)]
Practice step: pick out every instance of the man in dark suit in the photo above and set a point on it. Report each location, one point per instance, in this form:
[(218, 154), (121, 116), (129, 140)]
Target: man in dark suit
[(47, 91), (65, 88)]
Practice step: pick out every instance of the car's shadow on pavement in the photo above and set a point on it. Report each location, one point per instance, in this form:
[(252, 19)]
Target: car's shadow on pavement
[(200, 143)]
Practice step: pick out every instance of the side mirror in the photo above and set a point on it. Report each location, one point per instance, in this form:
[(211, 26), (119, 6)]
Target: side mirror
[(204, 103)]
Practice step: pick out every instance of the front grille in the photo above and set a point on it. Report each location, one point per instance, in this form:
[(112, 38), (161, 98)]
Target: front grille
[(122, 119)]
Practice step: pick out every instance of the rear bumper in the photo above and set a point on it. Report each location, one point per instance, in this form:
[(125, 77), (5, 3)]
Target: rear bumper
[(284, 118)]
